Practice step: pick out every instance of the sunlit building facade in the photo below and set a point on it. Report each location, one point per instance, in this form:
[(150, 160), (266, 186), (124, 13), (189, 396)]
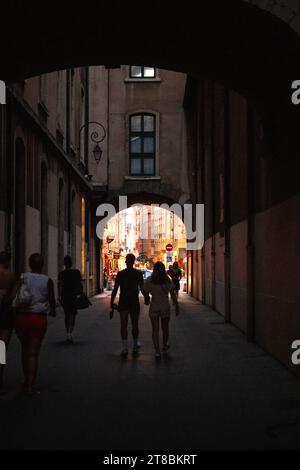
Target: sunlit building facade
[(145, 231)]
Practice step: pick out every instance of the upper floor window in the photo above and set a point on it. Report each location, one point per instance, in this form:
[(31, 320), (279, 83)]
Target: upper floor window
[(142, 144), (138, 71)]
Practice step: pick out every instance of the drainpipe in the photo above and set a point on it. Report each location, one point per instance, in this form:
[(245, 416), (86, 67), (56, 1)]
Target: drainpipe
[(196, 255), (227, 207), (9, 159), (68, 152), (251, 230), (68, 111), (69, 213), (203, 113), (87, 113), (213, 199), (108, 128), (87, 201), (99, 249)]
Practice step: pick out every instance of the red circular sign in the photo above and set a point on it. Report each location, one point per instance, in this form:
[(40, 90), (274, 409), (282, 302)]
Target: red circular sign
[(169, 247)]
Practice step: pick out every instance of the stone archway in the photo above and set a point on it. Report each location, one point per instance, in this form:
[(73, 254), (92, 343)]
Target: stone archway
[(287, 10), (250, 47), (241, 43)]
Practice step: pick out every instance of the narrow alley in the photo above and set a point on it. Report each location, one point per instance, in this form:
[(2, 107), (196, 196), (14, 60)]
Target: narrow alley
[(214, 390)]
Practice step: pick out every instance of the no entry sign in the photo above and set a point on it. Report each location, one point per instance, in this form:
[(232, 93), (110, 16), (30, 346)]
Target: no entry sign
[(169, 247)]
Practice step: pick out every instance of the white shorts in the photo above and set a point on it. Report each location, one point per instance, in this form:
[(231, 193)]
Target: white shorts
[(160, 314)]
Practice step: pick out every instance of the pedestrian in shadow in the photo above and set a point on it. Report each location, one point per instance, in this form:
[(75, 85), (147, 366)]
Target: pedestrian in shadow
[(160, 287), (69, 286), (31, 321), (8, 288), (175, 274), (130, 281)]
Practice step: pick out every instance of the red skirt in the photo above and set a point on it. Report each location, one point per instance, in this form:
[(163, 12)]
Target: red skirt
[(31, 325)]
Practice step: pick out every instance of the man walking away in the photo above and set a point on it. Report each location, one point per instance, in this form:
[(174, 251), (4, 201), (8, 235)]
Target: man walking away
[(130, 281), (175, 274), (69, 286)]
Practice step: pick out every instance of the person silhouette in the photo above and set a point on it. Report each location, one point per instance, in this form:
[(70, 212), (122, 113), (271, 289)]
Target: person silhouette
[(31, 321), (69, 286), (130, 281), (175, 274), (8, 288), (160, 287)]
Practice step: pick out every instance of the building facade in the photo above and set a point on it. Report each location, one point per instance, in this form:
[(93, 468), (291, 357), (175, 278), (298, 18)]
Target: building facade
[(45, 194), (144, 150), (51, 184), (144, 145), (145, 232)]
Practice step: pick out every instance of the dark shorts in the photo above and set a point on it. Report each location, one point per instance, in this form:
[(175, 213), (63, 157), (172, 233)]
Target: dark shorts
[(132, 310), (68, 304), (176, 285), (6, 316), (6, 322)]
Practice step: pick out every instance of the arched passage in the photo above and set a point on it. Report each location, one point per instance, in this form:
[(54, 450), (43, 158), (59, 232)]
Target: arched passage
[(234, 43), (150, 232), (153, 221), (252, 49)]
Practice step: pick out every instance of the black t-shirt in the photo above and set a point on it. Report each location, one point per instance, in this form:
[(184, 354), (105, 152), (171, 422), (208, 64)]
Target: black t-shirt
[(71, 281), (129, 281)]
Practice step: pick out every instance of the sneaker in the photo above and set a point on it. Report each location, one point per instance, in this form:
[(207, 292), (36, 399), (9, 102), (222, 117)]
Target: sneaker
[(139, 345), (135, 350), (158, 355), (124, 353), (69, 338), (166, 348)]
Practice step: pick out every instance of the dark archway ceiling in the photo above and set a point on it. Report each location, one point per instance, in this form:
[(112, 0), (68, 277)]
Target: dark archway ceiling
[(240, 45)]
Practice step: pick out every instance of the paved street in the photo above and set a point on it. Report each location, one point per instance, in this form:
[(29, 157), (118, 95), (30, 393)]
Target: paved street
[(214, 391)]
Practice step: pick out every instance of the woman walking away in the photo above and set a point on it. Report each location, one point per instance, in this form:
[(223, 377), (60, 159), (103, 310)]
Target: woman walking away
[(8, 286), (69, 286), (175, 274), (159, 285), (31, 322)]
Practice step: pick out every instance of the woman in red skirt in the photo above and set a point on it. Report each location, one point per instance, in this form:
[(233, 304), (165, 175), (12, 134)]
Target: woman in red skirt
[(31, 323)]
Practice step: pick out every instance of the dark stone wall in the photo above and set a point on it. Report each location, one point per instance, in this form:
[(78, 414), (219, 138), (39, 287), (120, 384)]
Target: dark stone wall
[(249, 268)]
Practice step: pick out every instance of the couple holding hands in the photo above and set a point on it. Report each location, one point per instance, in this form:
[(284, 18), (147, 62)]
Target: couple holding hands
[(159, 286)]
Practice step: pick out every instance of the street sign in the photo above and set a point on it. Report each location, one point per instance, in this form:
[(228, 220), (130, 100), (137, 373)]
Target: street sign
[(169, 259), (169, 247)]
